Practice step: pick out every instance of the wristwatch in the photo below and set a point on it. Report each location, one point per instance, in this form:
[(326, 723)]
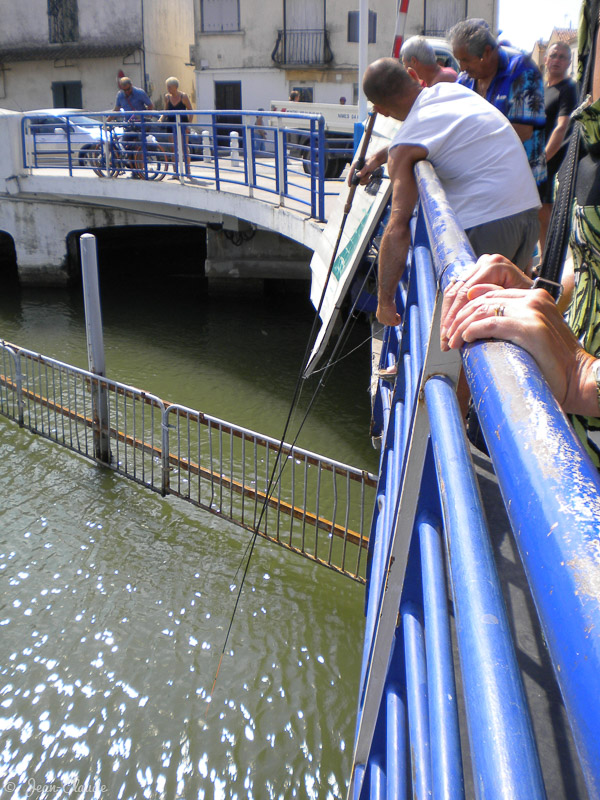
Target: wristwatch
[(552, 287)]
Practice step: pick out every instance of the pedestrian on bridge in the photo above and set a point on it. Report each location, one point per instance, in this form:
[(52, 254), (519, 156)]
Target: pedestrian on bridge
[(510, 81), (131, 98), (177, 101), (560, 97)]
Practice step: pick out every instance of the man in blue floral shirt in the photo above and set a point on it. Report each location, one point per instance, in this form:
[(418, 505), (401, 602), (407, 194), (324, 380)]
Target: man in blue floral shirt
[(508, 80)]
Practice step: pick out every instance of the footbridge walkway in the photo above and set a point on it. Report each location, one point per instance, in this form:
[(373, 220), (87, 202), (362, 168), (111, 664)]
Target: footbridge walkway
[(232, 172)]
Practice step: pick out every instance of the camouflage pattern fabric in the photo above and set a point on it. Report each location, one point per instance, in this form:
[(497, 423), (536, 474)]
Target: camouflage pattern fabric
[(583, 314)]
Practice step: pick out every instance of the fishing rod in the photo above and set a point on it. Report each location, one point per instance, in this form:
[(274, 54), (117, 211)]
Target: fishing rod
[(354, 183), (401, 17), (247, 556), (272, 482)]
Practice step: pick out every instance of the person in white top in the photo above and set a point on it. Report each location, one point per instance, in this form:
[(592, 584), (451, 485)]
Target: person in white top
[(477, 156)]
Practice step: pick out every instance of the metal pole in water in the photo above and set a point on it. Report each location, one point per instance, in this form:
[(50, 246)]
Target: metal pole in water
[(95, 344)]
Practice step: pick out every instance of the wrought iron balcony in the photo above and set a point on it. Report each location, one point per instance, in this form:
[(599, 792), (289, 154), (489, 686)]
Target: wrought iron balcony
[(306, 47)]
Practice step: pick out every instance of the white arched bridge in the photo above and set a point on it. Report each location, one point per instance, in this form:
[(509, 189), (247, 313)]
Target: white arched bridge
[(68, 171)]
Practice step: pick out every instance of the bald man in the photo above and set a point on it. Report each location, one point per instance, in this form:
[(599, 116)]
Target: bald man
[(477, 156)]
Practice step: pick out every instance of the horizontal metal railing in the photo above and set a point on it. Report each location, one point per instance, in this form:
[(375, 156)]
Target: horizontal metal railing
[(315, 506), (302, 47), (430, 527), (279, 157)]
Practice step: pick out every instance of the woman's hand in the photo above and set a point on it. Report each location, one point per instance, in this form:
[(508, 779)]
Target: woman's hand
[(493, 270), (531, 320)]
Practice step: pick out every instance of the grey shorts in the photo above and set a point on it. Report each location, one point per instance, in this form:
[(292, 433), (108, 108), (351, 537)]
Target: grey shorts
[(514, 237)]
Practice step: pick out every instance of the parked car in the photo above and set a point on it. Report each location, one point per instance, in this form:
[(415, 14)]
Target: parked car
[(51, 132)]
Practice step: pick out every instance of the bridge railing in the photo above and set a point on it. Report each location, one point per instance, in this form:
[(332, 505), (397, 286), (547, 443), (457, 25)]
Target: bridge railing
[(314, 506), (277, 156), (418, 721)]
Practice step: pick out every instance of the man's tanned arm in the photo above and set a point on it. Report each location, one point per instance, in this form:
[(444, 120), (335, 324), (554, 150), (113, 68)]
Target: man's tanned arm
[(396, 239)]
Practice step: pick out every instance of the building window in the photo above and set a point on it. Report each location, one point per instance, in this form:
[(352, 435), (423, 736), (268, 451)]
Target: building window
[(63, 22), (67, 94), (220, 16), (353, 26)]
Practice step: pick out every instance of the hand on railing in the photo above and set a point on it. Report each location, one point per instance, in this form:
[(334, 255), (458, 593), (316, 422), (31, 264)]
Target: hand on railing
[(531, 320), (494, 270)]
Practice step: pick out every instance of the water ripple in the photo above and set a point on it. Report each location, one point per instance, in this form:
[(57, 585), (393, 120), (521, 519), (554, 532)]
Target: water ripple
[(105, 681)]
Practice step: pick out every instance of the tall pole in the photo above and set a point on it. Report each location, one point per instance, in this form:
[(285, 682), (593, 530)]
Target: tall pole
[(363, 55), (95, 345), (400, 27), (144, 81)]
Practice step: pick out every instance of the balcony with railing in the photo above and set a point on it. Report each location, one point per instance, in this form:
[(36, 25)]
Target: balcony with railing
[(302, 47)]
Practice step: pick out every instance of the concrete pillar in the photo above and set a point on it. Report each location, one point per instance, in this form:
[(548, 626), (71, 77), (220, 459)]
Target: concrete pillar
[(39, 234), (255, 254)]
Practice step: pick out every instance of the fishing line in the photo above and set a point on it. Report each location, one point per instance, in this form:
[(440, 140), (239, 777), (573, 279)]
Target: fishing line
[(297, 389), (249, 550), (344, 357)]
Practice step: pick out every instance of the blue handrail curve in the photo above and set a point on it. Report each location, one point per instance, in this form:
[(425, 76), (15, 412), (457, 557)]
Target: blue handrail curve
[(429, 526), (286, 154)]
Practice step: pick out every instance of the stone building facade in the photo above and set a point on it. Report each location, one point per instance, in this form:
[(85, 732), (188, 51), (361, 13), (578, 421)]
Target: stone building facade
[(248, 53), (70, 53)]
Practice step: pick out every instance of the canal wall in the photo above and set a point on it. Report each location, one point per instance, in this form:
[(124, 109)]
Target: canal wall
[(250, 253)]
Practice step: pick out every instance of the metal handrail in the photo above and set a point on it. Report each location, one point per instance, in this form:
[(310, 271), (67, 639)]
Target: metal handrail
[(284, 156), (317, 507), (407, 701), (301, 46)]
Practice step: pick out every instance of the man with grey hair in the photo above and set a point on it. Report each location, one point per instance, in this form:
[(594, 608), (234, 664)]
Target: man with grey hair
[(477, 157), (512, 83), (419, 58)]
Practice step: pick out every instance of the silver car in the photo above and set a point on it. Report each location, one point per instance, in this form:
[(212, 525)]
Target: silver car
[(51, 134)]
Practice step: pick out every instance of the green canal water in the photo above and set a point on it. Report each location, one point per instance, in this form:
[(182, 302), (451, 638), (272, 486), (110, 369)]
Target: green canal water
[(115, 602)]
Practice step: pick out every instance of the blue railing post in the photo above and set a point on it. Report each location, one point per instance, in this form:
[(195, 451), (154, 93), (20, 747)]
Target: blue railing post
[(312, 159), (446, 757), (215, 144), (69, 154), (501, 737)]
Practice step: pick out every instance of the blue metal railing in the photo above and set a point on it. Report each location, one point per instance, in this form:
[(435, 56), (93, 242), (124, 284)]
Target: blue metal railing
[(284, 158), (429, 525)]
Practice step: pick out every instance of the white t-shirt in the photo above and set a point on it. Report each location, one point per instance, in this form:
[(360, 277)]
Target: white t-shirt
[(478, 157)]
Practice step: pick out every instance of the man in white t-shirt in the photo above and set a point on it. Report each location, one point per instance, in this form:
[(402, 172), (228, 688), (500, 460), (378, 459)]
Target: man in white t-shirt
[(477, 156)]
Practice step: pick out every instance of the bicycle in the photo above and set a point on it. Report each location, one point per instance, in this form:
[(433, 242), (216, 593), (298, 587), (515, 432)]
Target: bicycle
[(146, 159)]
